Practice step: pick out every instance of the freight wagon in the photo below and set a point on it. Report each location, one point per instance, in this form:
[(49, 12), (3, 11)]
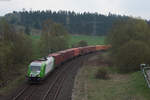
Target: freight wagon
[(58, 58)]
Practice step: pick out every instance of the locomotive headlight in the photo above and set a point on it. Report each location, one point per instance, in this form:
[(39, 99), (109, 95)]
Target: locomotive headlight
[(38, 75)]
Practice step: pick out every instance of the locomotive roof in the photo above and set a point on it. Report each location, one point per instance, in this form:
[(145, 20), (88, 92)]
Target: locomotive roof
[(39, 61), (35, 63)]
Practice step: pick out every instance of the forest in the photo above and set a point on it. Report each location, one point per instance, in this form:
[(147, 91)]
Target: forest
[(76, 23)]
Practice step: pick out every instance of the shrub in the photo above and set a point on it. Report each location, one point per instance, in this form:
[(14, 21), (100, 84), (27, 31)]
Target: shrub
[(102, 73), (131, 55), (81, 43)]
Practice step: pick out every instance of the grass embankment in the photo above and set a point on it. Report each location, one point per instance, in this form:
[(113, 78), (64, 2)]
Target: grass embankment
[(118, 87)]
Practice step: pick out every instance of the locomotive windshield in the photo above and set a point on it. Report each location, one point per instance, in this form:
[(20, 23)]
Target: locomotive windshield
[(35, 68)]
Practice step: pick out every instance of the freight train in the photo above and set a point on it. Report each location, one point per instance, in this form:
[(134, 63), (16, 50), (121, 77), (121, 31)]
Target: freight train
[(39, 69)]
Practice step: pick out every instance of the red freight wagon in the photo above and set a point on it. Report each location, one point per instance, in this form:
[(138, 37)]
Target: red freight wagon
[(64, 54), (102, 47), (99, 47), (81, 50), (58, 58), (87, 49), (92, 48), (76, 52), (71, 52), (84, 50)]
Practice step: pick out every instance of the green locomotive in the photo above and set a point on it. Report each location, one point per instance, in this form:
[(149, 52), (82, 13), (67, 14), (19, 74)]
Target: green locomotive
[(39, 69)]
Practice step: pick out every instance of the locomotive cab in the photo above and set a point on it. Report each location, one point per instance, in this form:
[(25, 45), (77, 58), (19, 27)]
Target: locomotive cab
[(34, 71)]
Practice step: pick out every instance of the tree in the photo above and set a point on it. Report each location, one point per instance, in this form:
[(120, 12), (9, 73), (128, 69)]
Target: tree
[(54, 38), (15, 50), (76, 23), (27, 30), (130, 44)]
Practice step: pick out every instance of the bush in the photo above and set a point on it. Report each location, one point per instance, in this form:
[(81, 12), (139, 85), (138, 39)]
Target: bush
[(131, 55), (81, 43), (102, 74)]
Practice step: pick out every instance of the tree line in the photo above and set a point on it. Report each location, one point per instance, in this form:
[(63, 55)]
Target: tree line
[(130, 44), (75, 23)]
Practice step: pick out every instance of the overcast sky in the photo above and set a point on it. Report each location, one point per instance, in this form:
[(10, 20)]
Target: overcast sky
[(136, 8)]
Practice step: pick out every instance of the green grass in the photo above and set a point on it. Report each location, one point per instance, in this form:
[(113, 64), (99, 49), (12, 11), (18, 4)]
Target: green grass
[(131, 86), (35, 37), (91, 40), (119, 87), (35, 43), (139, 85)]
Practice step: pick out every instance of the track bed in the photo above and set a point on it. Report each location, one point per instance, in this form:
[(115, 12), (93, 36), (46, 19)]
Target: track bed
[(57, 86)]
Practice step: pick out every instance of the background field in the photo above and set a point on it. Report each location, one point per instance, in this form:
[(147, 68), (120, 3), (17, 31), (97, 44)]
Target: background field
[(91, 40)]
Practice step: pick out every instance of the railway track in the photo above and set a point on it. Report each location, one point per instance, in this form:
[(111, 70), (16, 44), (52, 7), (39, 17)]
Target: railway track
[(52, 87), (21, 92), (20, 95), (56, 85)]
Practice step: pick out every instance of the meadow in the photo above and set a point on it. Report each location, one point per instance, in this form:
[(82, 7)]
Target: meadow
[(91, 40)]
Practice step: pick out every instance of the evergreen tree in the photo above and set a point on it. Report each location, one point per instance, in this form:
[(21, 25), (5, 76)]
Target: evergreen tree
[(76, 23)]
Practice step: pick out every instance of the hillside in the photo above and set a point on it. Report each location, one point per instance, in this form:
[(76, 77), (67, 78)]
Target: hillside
[(81, 23)]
